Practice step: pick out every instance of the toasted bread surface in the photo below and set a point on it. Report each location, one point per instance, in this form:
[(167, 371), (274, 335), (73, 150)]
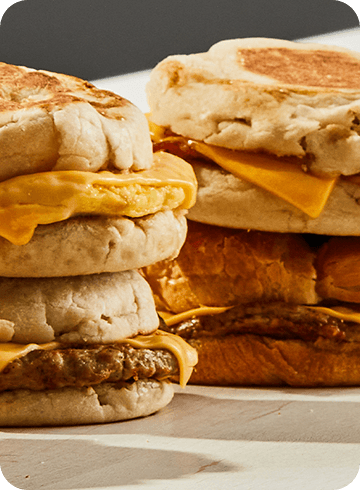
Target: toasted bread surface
[(54, 121), (270, 95), (223, 267)]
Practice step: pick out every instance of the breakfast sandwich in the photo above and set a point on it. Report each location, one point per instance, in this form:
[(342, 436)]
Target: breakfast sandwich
[(267, 284), (84, 205)]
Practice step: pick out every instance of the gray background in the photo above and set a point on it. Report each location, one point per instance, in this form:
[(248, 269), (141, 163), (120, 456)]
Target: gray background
[(98, 38)]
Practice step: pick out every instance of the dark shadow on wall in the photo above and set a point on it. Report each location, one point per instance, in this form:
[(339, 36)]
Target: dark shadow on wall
[(98, 38)]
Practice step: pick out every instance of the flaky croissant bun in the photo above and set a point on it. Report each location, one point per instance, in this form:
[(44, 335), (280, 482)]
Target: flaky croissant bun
[(264, 361), (223, 267), (338, 269), (271, 335)]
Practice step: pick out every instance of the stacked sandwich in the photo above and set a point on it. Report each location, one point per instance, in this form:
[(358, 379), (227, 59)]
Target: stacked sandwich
[(267, 286), (84, 204)]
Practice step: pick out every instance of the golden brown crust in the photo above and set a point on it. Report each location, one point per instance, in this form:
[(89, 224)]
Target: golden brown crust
[(264, 361), (222, 267), (53, 121), (286, 98), (283, 63), (338, 268)]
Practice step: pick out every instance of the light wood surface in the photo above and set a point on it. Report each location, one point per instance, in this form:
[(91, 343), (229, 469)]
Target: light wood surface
[(213, 438)]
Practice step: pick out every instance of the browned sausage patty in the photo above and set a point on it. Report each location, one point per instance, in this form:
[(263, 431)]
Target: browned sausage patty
[(85, 366)]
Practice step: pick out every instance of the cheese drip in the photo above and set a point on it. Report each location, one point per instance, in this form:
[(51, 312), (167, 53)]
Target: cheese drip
[(184, 353), (10, 351), (284, 179), (174, 318), (341, 312), (42, 198)]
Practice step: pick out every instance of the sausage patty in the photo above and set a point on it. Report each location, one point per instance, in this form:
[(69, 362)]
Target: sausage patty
[(279, 320), (86, 366)]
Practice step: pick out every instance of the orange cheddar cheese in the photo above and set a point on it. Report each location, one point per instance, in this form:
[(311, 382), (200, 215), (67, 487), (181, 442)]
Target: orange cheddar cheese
[(184, 353), (284, 179), (42, 198)]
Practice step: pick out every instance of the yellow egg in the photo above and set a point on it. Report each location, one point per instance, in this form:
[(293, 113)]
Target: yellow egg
[(42, 198)]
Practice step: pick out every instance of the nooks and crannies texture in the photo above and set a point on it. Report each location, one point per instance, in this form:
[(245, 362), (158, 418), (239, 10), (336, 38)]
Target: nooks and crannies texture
[(216, 98), (50, 121), (100, 308), (103, 244)]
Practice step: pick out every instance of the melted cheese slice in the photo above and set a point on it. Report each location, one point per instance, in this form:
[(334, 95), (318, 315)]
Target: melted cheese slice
[(10, 351), (174, 318), (29, 200), (185, 354), (284, 179), (340, 312)]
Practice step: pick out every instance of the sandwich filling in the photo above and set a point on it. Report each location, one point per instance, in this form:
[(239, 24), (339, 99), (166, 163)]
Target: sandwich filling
[(48, 197), (55, 365), (287, 178), (276, 319)]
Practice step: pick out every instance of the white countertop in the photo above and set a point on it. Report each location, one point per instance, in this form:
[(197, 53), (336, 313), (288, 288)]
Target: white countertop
[(207, 438)]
